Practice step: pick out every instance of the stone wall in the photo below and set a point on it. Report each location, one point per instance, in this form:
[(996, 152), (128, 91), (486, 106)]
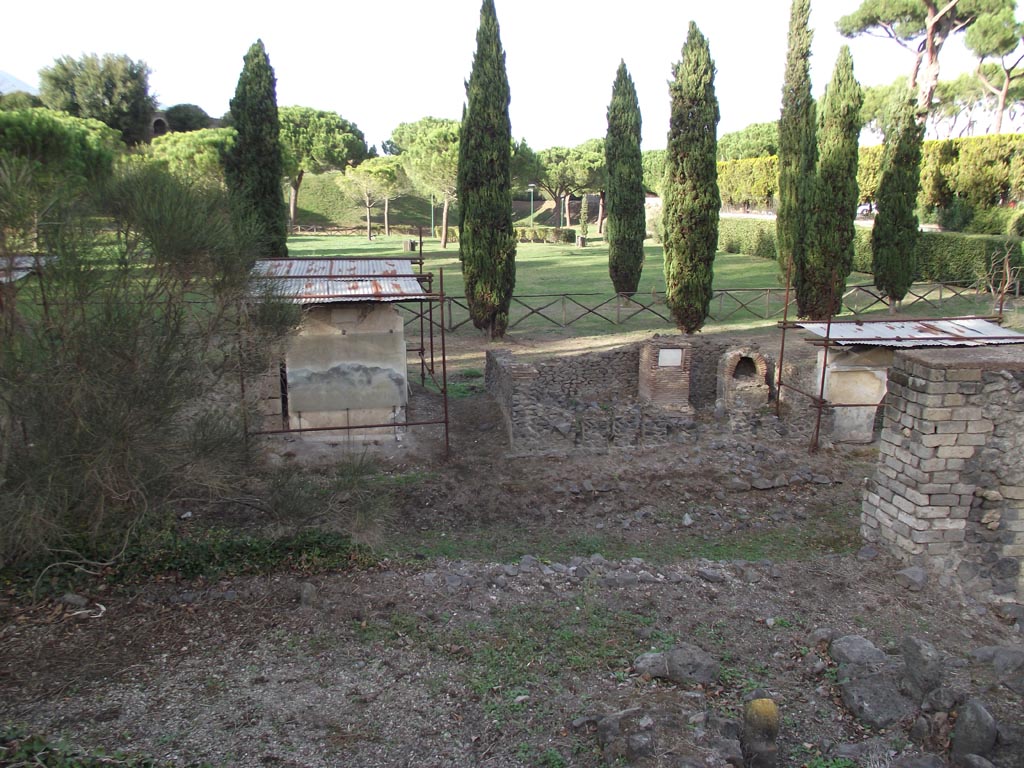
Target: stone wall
[(948, 491), (603, 377), (590, 401), (585, 402)]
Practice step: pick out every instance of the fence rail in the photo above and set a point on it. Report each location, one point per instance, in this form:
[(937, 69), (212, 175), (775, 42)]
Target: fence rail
[(565, 310)]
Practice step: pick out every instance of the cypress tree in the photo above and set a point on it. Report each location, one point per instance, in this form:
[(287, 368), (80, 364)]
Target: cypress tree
[(894, 236), (690, 196), (797, 147), (819, 292), (487, 243), (624, 194), (253, 168)]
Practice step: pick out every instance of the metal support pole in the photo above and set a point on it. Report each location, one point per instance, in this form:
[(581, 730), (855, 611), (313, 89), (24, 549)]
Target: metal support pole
[(444, 369), (782, 345)]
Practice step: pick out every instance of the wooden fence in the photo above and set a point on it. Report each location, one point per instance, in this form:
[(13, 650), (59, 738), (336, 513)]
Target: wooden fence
[(565, 310)]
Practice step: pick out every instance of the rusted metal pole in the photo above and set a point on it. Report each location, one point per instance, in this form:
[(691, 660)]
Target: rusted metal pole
[(444, 368), (782, 345), (820, 405)]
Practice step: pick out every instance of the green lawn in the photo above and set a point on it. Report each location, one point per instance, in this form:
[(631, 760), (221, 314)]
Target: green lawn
[(545, 272)]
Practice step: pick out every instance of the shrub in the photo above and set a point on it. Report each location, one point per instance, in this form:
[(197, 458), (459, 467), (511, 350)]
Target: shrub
[(955, 257), (109, 381), (453, 234), (941, 256), (323, 204), (862, 249), (754, 237), (991, 221), (956, 216)]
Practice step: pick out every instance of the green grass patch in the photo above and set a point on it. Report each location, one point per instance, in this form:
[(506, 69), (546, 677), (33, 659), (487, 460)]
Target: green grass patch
[(831, 531), (517, 656), (217, 553), (208, 554), (555, 282), (20, 749)]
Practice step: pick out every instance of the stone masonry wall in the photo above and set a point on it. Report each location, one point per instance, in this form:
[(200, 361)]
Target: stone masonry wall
[(948, 491), (584, 402)]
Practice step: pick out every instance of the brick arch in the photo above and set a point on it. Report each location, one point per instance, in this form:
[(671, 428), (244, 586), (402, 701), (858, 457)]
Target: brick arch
[(731, 362), (738, 389)]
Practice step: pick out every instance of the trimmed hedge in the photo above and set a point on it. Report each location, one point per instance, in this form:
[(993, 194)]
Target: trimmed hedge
[(956, 257), (950, 257), (754, 237), (546, 235), (322, 203)]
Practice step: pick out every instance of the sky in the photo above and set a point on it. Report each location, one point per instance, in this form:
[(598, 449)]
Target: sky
[(384, 63)]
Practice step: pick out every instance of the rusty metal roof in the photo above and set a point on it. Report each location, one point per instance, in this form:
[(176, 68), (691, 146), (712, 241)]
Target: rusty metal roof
[(950, 332), (326, 281)]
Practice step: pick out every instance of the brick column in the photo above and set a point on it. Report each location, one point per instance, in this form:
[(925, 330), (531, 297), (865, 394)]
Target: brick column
[(949, 484)]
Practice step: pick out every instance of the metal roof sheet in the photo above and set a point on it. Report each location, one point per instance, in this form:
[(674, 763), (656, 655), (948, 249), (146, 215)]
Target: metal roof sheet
[(13, 268), (326, 281), (951, 332)]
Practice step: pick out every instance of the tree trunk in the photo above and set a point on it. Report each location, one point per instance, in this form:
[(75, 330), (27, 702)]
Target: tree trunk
[(293, 198), (1001, 106), (444, 224), (369, 232), (926, 68), (600, 213), (568, 210), (387, 224)]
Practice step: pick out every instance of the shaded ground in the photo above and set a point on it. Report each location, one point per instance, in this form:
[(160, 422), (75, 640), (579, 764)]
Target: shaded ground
[(504, 623)]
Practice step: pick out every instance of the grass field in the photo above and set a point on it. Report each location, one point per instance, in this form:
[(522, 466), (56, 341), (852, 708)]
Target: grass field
[(544, 273)]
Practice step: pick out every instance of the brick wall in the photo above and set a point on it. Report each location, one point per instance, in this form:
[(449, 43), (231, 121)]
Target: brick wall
[(665, 384), (948, 490)]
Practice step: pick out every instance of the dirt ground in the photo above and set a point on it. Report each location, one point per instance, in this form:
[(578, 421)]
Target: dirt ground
[(506, 632)]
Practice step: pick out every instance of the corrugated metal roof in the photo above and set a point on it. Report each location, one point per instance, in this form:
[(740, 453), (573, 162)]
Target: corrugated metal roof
[(325, 281), (13, 268), (952, 332)]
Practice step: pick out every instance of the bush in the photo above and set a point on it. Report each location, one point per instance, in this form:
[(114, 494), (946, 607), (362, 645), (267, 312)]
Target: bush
[(111, 370), (453, 234), (862, 249), (321, 203), (991, 221), (956, 216), (754, 237), (953, 257)]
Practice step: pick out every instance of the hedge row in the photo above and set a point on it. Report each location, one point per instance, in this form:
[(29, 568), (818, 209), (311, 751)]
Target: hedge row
[(754, 237), (982, 171), (545, 235), (941, 256)]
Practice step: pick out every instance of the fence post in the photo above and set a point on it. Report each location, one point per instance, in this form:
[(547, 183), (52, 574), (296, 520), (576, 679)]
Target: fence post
[(563, 310), (767, 303)]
